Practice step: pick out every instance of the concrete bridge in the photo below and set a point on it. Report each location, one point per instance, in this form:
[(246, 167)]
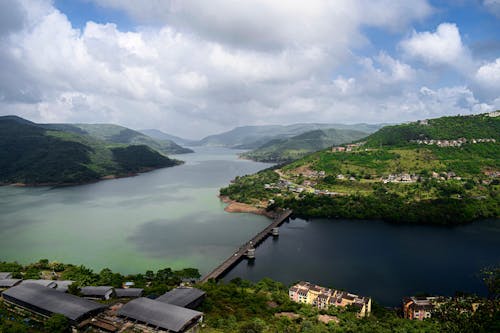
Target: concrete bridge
[(244, 249)]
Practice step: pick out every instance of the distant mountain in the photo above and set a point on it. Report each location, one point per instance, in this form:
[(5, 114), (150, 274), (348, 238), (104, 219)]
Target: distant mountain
[(36, 154), (285, 150), (251, 137), (159, 135), (121, 135)]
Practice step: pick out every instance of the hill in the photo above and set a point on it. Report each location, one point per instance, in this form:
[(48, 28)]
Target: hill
[(159, 135), (252, 137), (286, 150), (37, 154), (115, 134), (450, 175)]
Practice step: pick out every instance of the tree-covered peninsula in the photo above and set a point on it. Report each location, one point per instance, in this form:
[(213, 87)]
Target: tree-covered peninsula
[(437, 171), (36, 154)]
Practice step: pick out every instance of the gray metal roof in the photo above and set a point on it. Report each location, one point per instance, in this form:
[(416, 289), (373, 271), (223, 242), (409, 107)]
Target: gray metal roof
[(128, 292), (95, 291), (7, 283), (166, 316), (62, 285), (181, 296), (45, 283), (5, 275), (50, 300)]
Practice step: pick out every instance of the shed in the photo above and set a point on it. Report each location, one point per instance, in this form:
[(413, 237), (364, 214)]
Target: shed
[(99, 292), (46, 301), (9, 283), (161, 315), (128, 292), (183, 296), (44, 283), (63, 285)]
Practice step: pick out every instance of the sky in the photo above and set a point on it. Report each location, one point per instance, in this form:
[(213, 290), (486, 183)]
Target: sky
[(196, 67)]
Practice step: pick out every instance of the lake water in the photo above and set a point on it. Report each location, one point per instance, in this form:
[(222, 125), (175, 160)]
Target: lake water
[(377, 259), (172, 218)]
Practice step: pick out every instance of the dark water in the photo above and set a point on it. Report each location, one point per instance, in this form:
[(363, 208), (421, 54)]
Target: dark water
[(378, 259)]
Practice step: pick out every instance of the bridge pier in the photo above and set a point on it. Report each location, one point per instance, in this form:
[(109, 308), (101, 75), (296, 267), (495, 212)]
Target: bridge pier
[(250, 253)]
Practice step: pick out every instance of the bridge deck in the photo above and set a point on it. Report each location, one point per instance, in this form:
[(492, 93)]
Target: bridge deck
[(256, 240)]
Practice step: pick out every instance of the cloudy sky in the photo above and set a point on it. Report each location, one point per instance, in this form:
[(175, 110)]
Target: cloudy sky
[(197, 67)]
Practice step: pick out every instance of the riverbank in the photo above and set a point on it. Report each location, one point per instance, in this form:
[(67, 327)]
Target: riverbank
[(239, 207), (93, 181)]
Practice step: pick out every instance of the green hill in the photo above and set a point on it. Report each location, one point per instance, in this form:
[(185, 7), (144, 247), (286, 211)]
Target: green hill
[(39, 154), (115, 134), (445, 128), (438, 178), (252, 137), (286, 150)]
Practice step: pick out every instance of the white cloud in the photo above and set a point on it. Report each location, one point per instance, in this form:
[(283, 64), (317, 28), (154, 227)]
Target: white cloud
[(489, 74), (444, 46), (212, 65), (493, 6)]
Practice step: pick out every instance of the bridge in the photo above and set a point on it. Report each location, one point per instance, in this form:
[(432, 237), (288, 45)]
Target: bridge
[(243, 250)]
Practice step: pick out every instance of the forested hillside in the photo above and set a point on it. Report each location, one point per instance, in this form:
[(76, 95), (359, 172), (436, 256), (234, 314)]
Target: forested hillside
[(450, 175), (32, 154), (286, 150)]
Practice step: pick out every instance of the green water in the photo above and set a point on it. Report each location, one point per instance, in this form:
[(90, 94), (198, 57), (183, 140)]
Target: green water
[(165, 218)]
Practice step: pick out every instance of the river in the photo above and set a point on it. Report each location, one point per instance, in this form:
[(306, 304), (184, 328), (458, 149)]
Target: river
[(172, 218)]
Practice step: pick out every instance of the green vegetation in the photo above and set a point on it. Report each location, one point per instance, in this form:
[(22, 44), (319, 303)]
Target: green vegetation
[(469, 127), (115, 134), (32, 154), (285, 150), (243, 306), (390, 177)]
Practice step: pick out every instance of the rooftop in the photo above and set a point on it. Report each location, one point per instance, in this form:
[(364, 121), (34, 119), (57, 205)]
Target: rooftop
[(128, 292), (50, 301), (5, 275), (95, 291), (7, 283), (44, 283), (181, 296), (159, 314)]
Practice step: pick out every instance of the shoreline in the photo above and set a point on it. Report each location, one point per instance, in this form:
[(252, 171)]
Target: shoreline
[(93, 181), (239, 207)]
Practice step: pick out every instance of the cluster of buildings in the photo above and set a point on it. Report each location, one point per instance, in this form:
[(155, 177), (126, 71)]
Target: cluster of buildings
[(347, 148), (401, 178), (451, 143), (40, 299), (323, 298)]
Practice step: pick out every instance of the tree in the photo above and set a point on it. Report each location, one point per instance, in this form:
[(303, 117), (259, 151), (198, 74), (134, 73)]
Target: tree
[(491, 278), (57, 323)]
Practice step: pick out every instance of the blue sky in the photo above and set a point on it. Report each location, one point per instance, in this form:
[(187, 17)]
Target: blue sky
[(196, 67)]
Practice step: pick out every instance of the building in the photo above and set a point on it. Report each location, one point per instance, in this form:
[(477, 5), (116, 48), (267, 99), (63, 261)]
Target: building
[(100, 292), (322, 298), (63, 285), (418, 308), (44, 302), (9, 283), (161, 316), (44, 283), (5, 275), (128, 292), (186, 297)]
